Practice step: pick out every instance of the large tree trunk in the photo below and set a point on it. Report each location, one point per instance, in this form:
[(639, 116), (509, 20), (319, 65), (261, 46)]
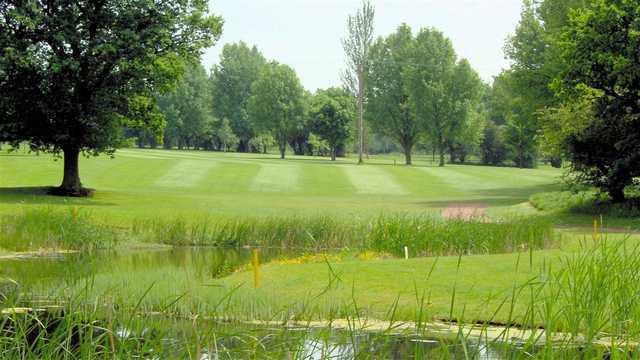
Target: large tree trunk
[(333, 153), (71, 185), (283, 149)]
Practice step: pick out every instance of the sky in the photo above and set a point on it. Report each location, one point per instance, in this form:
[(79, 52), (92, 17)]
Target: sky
[(306, 34)]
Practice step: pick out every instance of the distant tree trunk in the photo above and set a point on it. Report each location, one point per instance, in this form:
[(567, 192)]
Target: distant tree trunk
[(334, 150), (407, 153), (71, 185), (360, 115), (433, 154), (283, 149), (441, 149), (463, 157), (617, 194)]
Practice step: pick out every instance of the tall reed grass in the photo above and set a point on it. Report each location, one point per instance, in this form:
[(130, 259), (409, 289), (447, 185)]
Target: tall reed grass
[(49, 228), (423, 235)]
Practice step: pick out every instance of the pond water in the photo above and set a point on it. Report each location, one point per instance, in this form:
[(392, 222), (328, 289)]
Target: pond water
[(204, 262), (212, 263)]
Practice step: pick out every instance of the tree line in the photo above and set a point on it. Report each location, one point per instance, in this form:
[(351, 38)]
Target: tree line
[(416, 93), (248, 104), (87, 77)]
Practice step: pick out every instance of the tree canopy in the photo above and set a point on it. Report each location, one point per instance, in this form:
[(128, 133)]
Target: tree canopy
[(388, 108), (332, 116), (600, 48), (276, 105), (70, 71), (231, 82), (441, 89)]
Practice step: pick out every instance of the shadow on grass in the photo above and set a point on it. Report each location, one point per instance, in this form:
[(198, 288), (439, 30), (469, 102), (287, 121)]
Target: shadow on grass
[(39, 195), (495, 197)]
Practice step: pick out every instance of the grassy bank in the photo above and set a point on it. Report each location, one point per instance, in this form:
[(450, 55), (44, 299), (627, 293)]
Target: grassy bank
[(581, 208)]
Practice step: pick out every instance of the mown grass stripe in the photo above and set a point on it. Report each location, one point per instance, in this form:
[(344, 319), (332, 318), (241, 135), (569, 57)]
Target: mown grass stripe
[(185, 173), (373, 180), (277, 178)]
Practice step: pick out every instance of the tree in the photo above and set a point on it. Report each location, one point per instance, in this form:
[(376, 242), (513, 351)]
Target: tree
[(518, 117), (276, 105), (356, 46), (187, 109), (536, 61), (441, 89), (72, 73), (492, 149), (231, 82), (227, 139), (262, 142), (332, 114), (388, 108), (600, 48)]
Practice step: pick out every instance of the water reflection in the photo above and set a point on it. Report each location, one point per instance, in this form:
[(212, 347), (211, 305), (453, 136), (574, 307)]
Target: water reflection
[(203, 262)]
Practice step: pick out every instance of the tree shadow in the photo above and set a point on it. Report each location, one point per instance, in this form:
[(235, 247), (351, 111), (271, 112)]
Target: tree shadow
[(495, 197), (40, 195)]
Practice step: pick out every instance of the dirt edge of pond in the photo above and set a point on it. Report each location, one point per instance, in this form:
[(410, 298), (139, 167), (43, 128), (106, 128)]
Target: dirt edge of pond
[(465, 211)]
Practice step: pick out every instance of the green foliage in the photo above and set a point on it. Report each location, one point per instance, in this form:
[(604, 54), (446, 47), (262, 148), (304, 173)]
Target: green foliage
[(231, 82), (68, 70), (520, 130), (262, 142), (227, 139), (441, 89), (276, 105), (388, 109), (493, 150), (187, 110), (332, 116), (318, 146), (600, 49)]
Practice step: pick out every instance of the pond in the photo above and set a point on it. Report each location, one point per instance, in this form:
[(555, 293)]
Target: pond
[(237, 340)]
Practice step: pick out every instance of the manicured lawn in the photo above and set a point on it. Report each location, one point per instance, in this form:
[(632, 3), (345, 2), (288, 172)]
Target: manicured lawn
[(158, 183)]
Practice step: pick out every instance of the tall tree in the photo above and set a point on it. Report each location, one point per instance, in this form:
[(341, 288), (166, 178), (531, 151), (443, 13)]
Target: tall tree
[(388, 108), (231, 82), (521, 126), (332, 114), (441, 89), (356, 46), (600, 48), (72, 72), (187, 109), (276, 105), (536, 61)]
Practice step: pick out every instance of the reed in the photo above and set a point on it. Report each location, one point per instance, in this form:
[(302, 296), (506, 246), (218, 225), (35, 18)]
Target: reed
[(48, 228), (423, 235)]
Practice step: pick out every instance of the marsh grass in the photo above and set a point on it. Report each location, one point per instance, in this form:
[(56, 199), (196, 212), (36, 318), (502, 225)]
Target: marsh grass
[(49, 228), (423, 235)]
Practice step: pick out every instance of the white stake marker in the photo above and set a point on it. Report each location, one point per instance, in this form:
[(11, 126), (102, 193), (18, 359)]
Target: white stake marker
[(406, 253)]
